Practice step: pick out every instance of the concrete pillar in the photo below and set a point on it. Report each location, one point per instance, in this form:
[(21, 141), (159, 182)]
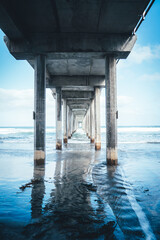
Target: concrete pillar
[(92, 122), (39, 109), (65, 138), (86, 123), (97, 119), (58, 118), (89, 123), (74, 123), (83, 124), (111, 111), (69, 122)]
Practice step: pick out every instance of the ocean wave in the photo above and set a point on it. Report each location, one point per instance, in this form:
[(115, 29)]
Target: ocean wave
[(6, 131), (135, 129), (155, 142), (14, 130)]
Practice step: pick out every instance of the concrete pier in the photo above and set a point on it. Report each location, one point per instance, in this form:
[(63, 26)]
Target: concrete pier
[(92, 122), (111, 111), (65, 138), (97, 119), (58, 118), (39, 109), (75, 60)]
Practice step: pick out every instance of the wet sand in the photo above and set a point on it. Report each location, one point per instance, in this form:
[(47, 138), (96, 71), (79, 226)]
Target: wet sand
[(77, 196)]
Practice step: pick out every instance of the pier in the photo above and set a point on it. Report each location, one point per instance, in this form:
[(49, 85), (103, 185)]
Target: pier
[(73, 48)]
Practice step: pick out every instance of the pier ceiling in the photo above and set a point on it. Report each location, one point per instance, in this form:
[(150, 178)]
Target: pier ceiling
[(75, 36), (38, 17), (73, 46), (63, 29)]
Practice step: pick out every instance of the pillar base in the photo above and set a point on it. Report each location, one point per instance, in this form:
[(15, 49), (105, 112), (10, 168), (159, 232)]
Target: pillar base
[(58, 146), (65, 140), (97, 146), (112, 157), (39, 157), (92, 140)]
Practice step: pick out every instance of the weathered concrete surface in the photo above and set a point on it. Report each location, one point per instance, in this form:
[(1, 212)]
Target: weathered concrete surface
[(92, 122), (39, 109), (65, 138), (78, 106), (89, 122), (76, 80), (103, 44), (79, 112), (97, 119), (78, 89), (75, 94), (93, 16), (58, 118), (68, 122), (111, 109)]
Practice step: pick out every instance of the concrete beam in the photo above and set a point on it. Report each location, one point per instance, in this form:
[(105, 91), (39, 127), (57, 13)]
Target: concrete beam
[(75, 94), (75, 81), (81, 106), (10, 24), (104, 44), (79, 109), (77, 113), (84, 88), (78, 101)]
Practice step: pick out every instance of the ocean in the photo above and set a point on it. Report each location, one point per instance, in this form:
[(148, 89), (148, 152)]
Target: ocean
[(76, 195)]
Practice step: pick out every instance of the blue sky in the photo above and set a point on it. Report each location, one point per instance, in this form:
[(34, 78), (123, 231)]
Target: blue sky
[(138, 81)]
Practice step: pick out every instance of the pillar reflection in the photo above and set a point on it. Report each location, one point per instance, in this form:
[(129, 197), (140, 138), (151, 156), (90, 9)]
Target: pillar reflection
[(38, 191)]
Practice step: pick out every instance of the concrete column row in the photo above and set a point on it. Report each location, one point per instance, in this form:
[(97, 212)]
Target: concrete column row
[(91, 123), (69, 120)]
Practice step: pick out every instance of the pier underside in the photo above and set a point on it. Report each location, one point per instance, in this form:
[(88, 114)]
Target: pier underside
[(73, 47)]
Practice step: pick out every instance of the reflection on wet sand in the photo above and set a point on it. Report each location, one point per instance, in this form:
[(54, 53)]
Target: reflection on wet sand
[(74, 210), (118, 193), (76, 196), (38, 191)]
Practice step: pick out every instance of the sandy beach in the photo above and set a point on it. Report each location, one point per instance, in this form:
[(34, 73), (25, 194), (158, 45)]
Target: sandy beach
[(76, 195)]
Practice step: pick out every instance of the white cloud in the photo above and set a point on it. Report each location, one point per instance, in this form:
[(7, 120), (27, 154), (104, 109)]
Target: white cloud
[(150, 77), (140, 54), (16, 99), (16, 107), (124, 106), (124, 100)]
